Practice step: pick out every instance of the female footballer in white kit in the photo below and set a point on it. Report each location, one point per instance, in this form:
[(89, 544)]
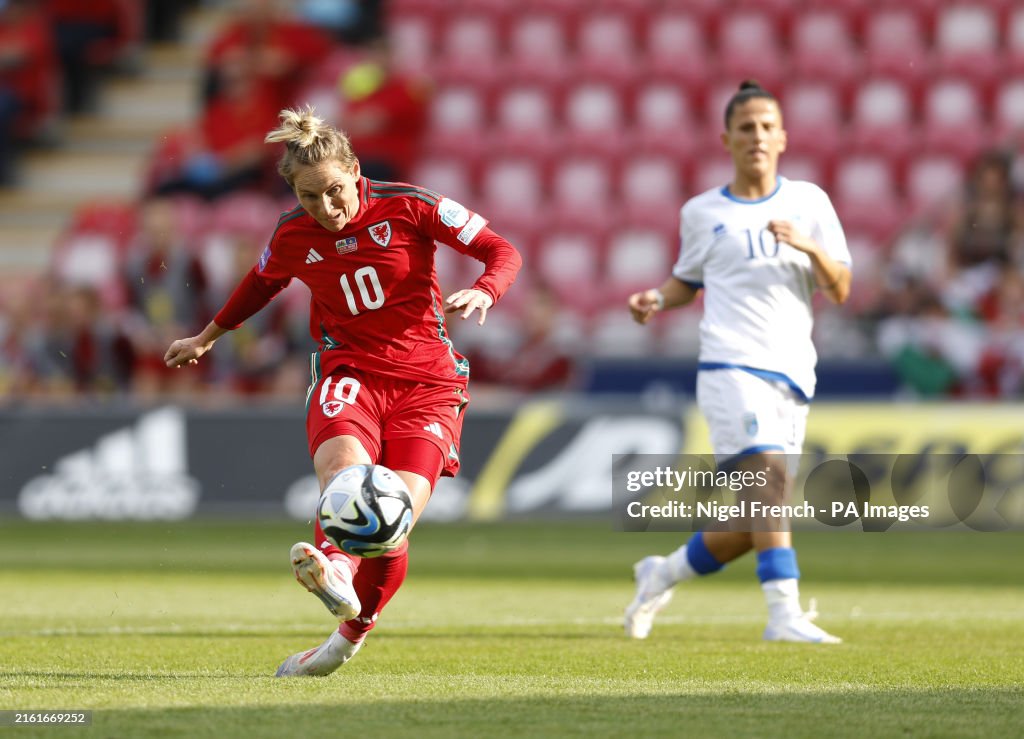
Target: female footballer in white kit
[(758, 247)]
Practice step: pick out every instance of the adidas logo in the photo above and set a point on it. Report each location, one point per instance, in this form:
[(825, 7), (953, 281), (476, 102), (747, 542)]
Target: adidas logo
[(137, 473), (435, 429), (313, 257)]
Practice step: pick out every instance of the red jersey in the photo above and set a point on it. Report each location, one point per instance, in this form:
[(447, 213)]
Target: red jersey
[(376, 304)]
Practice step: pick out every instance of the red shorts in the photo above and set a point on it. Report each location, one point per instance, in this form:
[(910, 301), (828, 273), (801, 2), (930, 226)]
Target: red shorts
[(376, 409)]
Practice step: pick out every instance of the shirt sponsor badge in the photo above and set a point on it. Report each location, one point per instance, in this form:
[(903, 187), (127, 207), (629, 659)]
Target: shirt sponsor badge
[(346, 246), (264, 258), (381, 233), (453, 215), (472, 228)]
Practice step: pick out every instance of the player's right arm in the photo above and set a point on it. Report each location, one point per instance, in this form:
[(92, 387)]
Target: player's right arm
[(188, 351), (673, 293), (254, 291)]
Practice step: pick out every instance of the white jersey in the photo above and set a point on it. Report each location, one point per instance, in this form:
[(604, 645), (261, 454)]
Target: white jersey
[(757, 292)]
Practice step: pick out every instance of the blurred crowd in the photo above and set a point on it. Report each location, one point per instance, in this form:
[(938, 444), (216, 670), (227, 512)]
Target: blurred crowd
[(939, 300), (949, 314)]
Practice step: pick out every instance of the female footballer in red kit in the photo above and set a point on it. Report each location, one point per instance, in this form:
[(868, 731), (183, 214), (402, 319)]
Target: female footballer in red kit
[(366, 249)]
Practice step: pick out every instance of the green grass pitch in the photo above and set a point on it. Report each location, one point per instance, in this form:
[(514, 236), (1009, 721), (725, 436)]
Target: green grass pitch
[(506, 630)]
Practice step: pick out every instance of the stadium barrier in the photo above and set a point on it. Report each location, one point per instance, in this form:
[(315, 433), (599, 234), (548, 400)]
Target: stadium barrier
[(545, 457)]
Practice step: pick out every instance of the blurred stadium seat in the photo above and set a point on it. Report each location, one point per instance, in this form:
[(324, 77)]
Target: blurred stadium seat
[(895, 44), (637, 258), (967, 40), (1008, 109), (813, 118), (822, 47), (953, 117), (447, 176), (932, 181), (750, 46), (866, 196), (675, 44), (1014, 51), (883, 119)]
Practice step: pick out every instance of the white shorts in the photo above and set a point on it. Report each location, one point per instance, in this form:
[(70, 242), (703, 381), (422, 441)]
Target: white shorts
[(748, 414)]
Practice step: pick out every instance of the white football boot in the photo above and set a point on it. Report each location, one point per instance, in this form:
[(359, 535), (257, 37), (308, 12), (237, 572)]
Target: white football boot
[(653, 592), (799, 628), (320, 661), (330, 582)]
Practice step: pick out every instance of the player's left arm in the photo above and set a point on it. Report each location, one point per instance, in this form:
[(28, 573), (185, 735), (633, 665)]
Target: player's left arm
[(468, 233), (832, 277)]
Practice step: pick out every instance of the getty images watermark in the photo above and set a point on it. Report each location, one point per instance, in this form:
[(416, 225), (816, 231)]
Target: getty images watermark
[(855, 492)]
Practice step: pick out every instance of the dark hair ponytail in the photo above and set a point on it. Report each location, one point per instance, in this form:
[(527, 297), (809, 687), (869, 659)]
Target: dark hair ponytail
[(749, 90)]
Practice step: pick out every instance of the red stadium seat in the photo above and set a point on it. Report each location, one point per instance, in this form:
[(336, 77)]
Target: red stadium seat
[(813, 118), (594, 108), (1008, 110), (662, 107), (512, 184), (581, 185), (538, 47), (594, 120), (1014, 46), (447, 176), (750, 46), (247, 213), (822, 47), (933, 181), (664, 121), (967, 41), (895, 44), (953, 119), (676, 49), (804, 167), (458, 108), (716, 98), (882, 118), (606, 40), (570, 262), (468, 38), (637, 258), (469, 50), (91, 249), (925, 10), (651, 189), (526, 108), (865, 193), (412, 42), (713, 172)]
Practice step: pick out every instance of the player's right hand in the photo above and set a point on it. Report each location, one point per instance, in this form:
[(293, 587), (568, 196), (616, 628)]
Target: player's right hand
[(643, 305), (185, 351)]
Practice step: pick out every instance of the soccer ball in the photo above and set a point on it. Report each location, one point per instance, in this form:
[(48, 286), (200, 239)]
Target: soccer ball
[(366, 510)]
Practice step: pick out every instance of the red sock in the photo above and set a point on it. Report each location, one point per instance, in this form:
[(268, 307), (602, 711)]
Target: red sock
[(332, 552), (376, 582)]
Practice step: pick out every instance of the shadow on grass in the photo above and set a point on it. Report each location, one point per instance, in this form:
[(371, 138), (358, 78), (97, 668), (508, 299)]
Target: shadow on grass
[(854, 713)]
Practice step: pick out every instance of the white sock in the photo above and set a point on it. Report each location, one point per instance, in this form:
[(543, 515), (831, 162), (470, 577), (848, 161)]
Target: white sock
[(677, 567), (783, 598)]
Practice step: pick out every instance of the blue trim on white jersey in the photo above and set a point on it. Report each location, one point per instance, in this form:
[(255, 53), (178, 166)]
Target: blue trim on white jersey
[(731, 460), (762, 373), (744, 201), (692, 283)]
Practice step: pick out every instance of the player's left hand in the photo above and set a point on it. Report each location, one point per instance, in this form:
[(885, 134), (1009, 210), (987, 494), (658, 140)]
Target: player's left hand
[(786, 232), (468, 301)]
